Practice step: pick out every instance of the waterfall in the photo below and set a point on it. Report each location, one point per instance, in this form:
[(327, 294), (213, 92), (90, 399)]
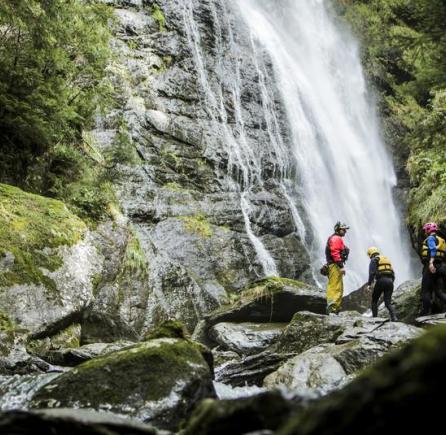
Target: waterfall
[(244, 157), (344, 170)]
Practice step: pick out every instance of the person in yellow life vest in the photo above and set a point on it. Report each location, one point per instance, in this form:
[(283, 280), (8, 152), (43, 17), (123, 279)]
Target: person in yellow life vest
[(433, 254), (381, 272), (336, 254)]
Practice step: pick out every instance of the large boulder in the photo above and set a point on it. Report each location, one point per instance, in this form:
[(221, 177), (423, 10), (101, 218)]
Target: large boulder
[(339, 353), (407, 302), (358, 300), (265, 411), (246, 338), (271, 300), (48, 262), (390, 396), (70, 422), (164, 379)]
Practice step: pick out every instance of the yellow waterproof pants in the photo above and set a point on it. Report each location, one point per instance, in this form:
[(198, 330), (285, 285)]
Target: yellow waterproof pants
[(335, 289)]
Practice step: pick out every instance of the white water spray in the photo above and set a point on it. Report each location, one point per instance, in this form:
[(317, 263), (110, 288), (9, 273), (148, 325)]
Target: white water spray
[(344, 170)]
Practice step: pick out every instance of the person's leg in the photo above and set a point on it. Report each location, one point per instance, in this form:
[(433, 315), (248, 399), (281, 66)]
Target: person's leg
[(335, 289), (426, 290), (388, 290), (438, 281), (377, 290)]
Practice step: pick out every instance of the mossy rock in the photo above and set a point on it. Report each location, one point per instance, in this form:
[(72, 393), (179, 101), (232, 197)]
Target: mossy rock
[(163, 381), (68, 338), (390, 396), (31, 226), (168, 329), (261, 412), (270, 300)]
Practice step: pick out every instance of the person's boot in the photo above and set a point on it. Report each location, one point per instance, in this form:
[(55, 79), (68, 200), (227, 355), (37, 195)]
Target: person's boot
[(392, 313)]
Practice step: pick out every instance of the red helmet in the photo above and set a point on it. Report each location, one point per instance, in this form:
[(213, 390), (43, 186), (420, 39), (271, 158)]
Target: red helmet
[(430, 227)]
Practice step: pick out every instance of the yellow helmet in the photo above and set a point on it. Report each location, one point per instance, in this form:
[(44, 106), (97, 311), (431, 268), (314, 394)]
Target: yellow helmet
[(372, 251)]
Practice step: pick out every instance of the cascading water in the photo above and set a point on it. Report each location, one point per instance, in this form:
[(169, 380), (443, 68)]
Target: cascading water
[(244, 160), (343, 167)]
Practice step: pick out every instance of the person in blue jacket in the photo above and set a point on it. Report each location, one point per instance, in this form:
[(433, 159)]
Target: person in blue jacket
[(433, 254)]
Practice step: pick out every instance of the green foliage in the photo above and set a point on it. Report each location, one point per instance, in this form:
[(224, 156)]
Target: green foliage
[(53, 56), (76, 176), (30, 226), (404, 52)]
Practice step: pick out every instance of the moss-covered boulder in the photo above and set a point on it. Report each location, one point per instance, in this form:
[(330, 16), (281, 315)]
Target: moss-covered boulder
[(158, 381), (308, 329), (48, 261), (74, 356), (271, 300), (339, 353), (390, 396), (264, 411)]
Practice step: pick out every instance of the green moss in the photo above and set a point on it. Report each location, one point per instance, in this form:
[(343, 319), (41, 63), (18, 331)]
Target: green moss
[(268, 287), (151, 370), (197, 225), (134, 261), (29, 225), (158, 15), (175, 187), (168, 329)]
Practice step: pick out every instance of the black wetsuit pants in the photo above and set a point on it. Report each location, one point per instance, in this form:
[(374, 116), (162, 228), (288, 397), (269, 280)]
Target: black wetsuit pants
[(433, 282), (384, 285)]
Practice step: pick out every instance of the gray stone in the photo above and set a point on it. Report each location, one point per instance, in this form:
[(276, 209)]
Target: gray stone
[(246, 338)]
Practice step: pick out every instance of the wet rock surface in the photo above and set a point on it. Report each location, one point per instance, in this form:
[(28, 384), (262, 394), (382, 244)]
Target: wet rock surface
[(265, 411), (163, 380), (407, 302), (271, 300), (246, 338), (189, 197), (70, 422), (398, 388)]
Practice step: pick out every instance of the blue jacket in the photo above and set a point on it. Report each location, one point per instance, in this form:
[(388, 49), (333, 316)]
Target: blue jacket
[(432, 245)]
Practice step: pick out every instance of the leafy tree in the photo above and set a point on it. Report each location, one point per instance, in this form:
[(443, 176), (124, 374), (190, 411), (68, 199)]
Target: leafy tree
[(53, 55)]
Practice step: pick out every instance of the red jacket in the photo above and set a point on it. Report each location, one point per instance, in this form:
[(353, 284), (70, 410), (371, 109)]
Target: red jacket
[(335, 249)]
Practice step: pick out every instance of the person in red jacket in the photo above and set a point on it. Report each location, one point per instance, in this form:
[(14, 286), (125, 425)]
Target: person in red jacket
[(336, 253)]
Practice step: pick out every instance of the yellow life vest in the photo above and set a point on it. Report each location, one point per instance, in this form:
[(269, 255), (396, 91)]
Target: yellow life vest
[(441, 249), (384, 265)]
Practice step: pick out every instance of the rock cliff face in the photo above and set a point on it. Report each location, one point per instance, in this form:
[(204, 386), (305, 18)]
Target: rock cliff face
[(209, 198)]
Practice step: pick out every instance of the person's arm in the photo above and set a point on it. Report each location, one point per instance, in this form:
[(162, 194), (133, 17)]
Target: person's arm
[(373, 267)]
